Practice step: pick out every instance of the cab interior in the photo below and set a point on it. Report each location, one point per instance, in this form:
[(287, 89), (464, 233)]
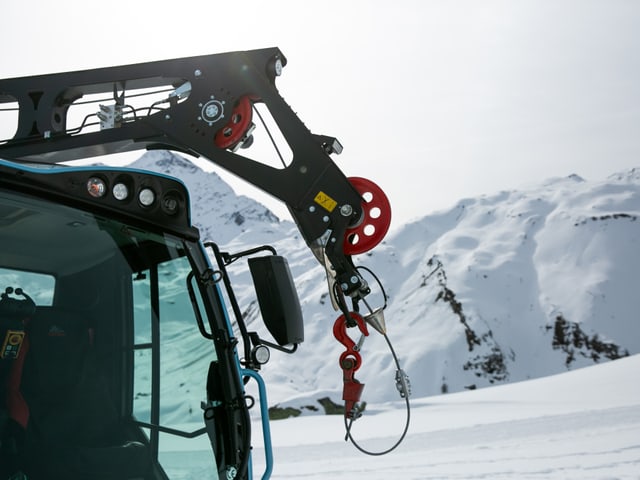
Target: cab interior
[(80, 296)]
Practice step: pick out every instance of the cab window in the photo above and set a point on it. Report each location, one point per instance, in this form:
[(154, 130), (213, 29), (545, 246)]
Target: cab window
[(39, 286)]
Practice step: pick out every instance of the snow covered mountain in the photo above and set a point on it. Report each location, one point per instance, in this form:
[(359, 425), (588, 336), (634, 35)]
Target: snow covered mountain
[(504, 287), (519, 284), (218, 212)]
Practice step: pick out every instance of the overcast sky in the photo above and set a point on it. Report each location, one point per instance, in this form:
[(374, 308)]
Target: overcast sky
[(433, 100)]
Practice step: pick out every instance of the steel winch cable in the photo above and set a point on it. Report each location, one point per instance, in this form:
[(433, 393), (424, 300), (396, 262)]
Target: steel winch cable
[(403, 386), (402, 380)]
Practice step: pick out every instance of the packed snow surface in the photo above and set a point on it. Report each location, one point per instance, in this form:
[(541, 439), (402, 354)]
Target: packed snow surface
[(580, 425)]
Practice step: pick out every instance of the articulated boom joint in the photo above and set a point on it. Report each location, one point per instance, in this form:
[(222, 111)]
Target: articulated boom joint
[(205, 108)]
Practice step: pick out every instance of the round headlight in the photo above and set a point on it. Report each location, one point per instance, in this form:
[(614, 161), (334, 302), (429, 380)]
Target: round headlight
[(170, 204), (146, 197), (96, 187), (261, 354), (120, 191)]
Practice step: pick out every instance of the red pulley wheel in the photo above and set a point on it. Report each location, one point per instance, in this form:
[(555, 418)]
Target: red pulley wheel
[(237, 126), (376, 220)]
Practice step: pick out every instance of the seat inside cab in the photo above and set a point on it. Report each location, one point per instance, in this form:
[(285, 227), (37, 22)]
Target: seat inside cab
[(62, 420)]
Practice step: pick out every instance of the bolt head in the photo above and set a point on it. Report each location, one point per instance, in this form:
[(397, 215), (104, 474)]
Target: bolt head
[(212, 110), (277, 66), (346, 210)]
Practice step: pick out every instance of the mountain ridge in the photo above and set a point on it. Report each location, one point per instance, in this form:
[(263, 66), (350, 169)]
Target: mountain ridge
[(499, 288)]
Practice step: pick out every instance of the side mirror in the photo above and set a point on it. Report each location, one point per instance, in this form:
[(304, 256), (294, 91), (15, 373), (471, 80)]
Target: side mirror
[(278, 298)]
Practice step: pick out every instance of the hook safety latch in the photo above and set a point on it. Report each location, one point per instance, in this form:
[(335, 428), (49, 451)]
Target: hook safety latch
[(350, 360)]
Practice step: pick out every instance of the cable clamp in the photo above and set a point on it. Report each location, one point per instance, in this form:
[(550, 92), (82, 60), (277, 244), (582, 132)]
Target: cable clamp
[(403, 384)]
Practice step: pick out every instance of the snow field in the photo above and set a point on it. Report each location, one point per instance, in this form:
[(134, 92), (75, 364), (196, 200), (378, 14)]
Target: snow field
[(582, 425)]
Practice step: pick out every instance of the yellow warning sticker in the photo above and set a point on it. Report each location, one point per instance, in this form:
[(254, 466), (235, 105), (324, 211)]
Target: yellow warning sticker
[(325, 201)]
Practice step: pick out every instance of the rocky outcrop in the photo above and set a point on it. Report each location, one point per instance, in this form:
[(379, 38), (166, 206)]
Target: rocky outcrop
[(486, 358), (572, 340)]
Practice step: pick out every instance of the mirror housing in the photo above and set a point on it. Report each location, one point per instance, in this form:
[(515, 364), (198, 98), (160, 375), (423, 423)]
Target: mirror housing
[(277, 298)]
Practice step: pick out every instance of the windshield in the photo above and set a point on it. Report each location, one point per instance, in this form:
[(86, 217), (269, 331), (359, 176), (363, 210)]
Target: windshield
[(112, 330)]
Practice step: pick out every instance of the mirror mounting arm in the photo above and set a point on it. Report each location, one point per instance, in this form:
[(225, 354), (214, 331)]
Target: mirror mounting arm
[(229, 258), (256, 340)]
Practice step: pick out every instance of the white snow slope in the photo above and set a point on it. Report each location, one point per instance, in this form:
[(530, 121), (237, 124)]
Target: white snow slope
[(582, 425), (501, 288)]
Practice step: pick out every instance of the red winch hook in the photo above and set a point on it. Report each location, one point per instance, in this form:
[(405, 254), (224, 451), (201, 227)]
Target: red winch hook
[(350, 360)]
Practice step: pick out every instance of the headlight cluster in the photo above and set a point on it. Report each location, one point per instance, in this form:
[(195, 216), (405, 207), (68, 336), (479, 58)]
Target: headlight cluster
[(123, 190), (137, 197)]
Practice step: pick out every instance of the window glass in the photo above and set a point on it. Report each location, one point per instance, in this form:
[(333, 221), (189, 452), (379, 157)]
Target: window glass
[(39, 286), (184, 359), (185, 355), (98, 276), (142, 342)]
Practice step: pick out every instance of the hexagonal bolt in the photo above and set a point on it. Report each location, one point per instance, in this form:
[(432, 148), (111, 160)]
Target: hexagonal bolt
[(346, 210)]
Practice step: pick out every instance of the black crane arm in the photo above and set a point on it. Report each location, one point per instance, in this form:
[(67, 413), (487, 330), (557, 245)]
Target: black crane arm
[(206, 113)]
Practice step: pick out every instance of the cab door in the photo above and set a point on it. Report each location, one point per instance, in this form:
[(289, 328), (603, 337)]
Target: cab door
[(170, 363)]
